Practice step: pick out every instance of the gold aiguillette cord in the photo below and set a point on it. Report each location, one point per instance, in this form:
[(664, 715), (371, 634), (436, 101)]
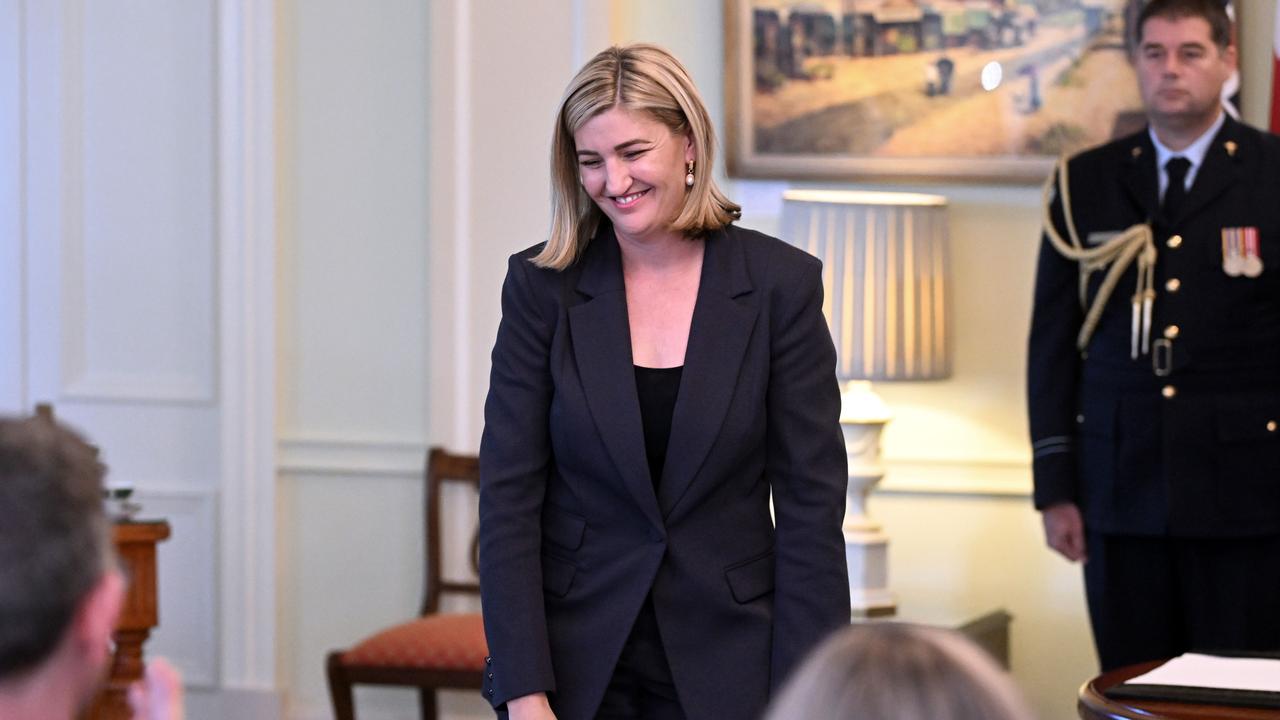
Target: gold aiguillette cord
[(1135, 242)]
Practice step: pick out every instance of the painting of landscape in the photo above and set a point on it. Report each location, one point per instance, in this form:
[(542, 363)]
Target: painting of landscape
[(942, 89)]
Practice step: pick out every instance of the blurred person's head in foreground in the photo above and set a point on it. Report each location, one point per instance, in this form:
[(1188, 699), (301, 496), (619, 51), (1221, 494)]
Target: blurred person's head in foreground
[(894, 671), (60, 589)]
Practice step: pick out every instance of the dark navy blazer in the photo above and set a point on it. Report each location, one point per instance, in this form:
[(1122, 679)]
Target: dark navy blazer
[(1188, 445), (573, 536)]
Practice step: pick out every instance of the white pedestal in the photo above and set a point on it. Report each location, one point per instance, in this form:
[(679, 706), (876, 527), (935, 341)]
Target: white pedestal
[(862, 419)]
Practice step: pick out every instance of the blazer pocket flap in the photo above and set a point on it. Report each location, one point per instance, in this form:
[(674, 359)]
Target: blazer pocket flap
[(557, 575), (751, 579), (563, 528)]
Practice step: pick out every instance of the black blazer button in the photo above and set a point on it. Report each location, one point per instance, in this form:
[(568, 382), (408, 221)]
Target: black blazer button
[(488, 660), (490, 676), (491, 691)]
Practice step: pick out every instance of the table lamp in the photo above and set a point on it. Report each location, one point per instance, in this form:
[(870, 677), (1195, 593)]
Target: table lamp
[(885, 280)]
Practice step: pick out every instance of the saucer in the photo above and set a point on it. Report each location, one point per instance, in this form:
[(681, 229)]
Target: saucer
[(122, 510)]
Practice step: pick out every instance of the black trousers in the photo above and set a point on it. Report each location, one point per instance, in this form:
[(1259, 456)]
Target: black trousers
[(641, 687), (1158, 597)]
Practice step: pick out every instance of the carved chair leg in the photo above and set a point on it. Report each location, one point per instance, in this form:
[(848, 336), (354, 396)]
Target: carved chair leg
[(339, 689), (427, 702)]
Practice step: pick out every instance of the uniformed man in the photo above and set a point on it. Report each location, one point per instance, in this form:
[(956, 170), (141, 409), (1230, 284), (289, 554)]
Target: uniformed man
[(1154, 360)]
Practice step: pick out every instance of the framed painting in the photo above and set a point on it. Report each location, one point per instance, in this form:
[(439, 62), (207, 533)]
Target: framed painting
[(934, 90)]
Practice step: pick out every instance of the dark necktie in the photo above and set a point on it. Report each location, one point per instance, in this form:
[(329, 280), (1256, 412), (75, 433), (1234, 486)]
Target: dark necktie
[(1176, 192)]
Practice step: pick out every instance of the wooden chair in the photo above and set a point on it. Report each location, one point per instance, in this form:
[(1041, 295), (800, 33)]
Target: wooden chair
[(436, 650)]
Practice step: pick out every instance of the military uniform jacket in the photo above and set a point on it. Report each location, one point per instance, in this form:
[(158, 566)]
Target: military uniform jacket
[(573, 536), (1183, 440)]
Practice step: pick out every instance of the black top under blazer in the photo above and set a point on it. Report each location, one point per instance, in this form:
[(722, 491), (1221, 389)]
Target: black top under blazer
[(1190, 446), (573, 536)]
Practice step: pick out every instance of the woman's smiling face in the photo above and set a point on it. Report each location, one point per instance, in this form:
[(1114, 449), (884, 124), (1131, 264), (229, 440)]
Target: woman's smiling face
[(633, 167)]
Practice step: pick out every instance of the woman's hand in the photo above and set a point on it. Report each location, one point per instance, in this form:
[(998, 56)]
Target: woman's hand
[(158, 695), (530, 707)]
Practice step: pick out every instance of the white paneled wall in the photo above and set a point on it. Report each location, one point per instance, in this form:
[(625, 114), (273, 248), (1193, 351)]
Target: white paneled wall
[(12, 268), (352, 288), (132, 251), (120, 302), (136, 199), (187, 576), (354, 279)]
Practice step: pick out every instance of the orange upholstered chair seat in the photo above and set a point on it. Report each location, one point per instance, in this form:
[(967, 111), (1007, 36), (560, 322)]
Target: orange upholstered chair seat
[(435, 650), (445, 641)]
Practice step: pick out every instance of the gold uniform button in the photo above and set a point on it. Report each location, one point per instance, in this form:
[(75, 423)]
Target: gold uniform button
[(1172, 284), (1174, 241), (1168, 391), (1271, 426), (1171, 332)]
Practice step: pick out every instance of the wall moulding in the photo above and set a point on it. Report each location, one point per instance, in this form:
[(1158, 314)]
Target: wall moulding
[(245, 296), (994, 477), (351, 456), (148, 389)]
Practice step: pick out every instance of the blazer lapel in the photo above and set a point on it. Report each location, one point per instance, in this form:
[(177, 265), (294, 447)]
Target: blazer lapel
[(601, 338), (1140, 176), (723, 317), (1221, 170)]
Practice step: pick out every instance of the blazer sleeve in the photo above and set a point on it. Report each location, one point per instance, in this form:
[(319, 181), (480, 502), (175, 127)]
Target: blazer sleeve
[(1053, 372), (808, 472), (515, 458)]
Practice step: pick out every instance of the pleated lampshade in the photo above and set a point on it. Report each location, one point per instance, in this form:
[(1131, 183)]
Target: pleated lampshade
[(885, 274)]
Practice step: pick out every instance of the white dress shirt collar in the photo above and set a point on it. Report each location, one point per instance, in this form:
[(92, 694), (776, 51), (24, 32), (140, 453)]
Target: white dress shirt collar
[(1194, 152)]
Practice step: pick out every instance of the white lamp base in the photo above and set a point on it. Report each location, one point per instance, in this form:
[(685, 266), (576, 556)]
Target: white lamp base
[(862, 419), (868, 559)]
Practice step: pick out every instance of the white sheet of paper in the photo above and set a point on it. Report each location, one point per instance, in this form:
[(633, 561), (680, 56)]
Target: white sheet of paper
[(1211, 671)]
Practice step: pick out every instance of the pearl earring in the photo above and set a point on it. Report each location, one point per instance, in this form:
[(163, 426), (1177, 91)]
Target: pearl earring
[(688, 178)]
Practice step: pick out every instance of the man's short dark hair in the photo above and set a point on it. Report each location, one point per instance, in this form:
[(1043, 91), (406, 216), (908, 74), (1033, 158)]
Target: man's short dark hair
[(53, 537), (1213, 12)]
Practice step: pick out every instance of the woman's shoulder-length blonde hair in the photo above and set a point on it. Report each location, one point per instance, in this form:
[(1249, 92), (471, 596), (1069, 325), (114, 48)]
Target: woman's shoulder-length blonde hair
[(896, 671), (641, 78)]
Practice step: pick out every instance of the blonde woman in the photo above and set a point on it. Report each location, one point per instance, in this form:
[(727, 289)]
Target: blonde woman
[(892, 671), (658, 374)]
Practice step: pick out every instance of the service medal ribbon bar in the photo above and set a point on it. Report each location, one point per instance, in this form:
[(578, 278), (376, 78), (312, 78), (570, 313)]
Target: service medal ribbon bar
[(1241, 252)]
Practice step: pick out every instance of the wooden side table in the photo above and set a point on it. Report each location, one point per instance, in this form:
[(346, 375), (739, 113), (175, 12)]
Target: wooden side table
[(136, 546)]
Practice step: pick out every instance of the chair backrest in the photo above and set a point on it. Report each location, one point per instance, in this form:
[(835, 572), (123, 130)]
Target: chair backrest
[(445, 467)]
